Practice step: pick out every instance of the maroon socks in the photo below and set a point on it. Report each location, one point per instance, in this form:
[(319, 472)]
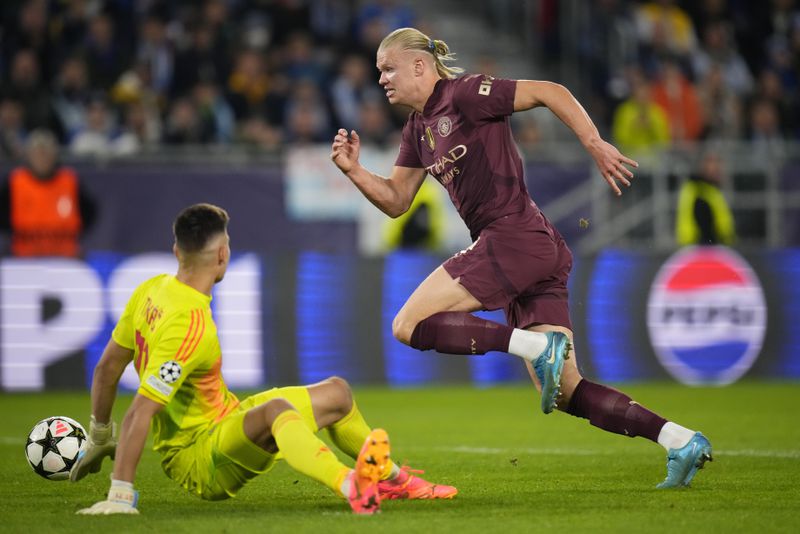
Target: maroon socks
[(460, 333), (614, 411)]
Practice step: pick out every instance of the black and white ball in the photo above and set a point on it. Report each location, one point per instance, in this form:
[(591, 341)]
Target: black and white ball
[(53, 446)]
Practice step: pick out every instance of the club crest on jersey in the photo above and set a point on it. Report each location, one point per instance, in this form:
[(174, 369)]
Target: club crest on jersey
[(444, 126), (429, 137)]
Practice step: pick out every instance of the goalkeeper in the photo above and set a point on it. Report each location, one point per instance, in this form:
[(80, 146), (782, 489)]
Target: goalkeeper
[(210, 443)]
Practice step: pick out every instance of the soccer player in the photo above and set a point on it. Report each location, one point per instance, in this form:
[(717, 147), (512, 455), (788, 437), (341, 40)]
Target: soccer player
[(459, 132), (210, 443)]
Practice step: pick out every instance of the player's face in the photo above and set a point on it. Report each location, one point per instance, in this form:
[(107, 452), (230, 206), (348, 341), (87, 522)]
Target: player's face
[(396, 69)]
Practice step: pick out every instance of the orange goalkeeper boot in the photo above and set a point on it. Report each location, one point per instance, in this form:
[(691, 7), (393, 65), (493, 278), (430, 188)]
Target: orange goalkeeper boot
[(407, 485), (372, 462)]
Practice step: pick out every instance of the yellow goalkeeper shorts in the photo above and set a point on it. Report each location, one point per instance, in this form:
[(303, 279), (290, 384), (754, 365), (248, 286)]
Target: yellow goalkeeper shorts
[(223, 459)]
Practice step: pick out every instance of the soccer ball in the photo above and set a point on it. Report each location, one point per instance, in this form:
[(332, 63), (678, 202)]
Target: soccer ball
[(53, 446)]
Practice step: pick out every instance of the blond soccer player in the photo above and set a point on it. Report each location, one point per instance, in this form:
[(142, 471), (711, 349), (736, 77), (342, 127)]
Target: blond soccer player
[(459, 132), (211, 443)]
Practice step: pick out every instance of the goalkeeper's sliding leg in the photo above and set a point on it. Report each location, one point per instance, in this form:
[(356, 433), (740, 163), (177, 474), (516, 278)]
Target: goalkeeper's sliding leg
[(283, 422)]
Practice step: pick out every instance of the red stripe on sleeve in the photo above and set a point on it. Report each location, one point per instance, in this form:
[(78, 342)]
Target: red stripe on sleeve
[(200, 331), (189, 336)]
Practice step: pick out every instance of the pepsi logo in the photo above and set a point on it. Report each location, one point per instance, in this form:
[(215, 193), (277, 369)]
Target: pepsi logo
[(706, 315)]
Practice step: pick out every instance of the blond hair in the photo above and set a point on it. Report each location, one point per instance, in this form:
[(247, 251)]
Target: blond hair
[(413, 39)]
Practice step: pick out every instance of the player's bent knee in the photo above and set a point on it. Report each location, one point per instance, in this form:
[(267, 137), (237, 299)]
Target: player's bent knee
[(339, 382), (272, 409), (343, 389)]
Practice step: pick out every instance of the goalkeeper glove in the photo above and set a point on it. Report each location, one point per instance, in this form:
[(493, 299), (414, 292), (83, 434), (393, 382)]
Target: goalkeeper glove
[(101, 442), (122, 499)]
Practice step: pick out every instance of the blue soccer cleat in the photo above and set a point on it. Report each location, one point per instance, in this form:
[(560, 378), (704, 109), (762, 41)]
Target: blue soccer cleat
[(548, 367), (683, 463)]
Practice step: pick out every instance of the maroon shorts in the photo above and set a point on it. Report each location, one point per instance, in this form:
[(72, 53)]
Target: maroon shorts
[(520, 264)]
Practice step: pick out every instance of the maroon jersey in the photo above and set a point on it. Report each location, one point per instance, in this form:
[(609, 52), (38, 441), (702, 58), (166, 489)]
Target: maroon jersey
[(463, 139)]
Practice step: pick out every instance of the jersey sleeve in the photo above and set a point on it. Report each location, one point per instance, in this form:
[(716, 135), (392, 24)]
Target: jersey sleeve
[(483, 98), (409, 145), (124, 332), (176, 354)]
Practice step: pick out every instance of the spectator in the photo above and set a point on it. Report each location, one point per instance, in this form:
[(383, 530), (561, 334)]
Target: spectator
[(307, 116), (722, 107), (185, 126), (29, 32), (640, 126), (661, 23), (351, 88), (73, 24), (678, 98), (300, 60), (216, 15), (12, 129), (26, 86), (607, 42), (781, 62), (104, 57), (330, 21), (255, 131), (141, 129), (42, 204), (718, 48), (389, 15), (703, 216), (252, 91), (155, 51), (71, 96), (202, 59), (214, 111), (765, 131), (769, 87), (375, 124), (97, 136)]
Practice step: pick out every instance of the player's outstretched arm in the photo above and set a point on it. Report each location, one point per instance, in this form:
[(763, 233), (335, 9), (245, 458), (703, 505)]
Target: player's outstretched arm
[(611, 163), (122, 498), (102, 439), (392, 195)]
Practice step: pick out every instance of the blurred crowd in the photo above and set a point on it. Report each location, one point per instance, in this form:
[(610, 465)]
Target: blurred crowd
[(667, 72), (114, 77)]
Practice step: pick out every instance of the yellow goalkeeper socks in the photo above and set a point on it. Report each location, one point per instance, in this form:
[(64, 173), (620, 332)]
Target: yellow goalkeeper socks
[(305, 452), (349, 433)]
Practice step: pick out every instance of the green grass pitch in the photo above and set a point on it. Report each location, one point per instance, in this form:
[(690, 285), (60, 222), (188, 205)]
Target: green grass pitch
[(517, 470)]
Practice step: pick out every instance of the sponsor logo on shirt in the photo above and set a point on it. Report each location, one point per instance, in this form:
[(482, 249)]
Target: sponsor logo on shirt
[(159, 385), (444, 168), (486, 86), (444, 126)]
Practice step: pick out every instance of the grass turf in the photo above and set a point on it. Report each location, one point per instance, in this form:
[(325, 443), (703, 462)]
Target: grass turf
[(517, 470)]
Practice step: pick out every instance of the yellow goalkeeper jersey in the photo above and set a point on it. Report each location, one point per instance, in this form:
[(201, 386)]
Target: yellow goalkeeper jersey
[(178, 358)]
